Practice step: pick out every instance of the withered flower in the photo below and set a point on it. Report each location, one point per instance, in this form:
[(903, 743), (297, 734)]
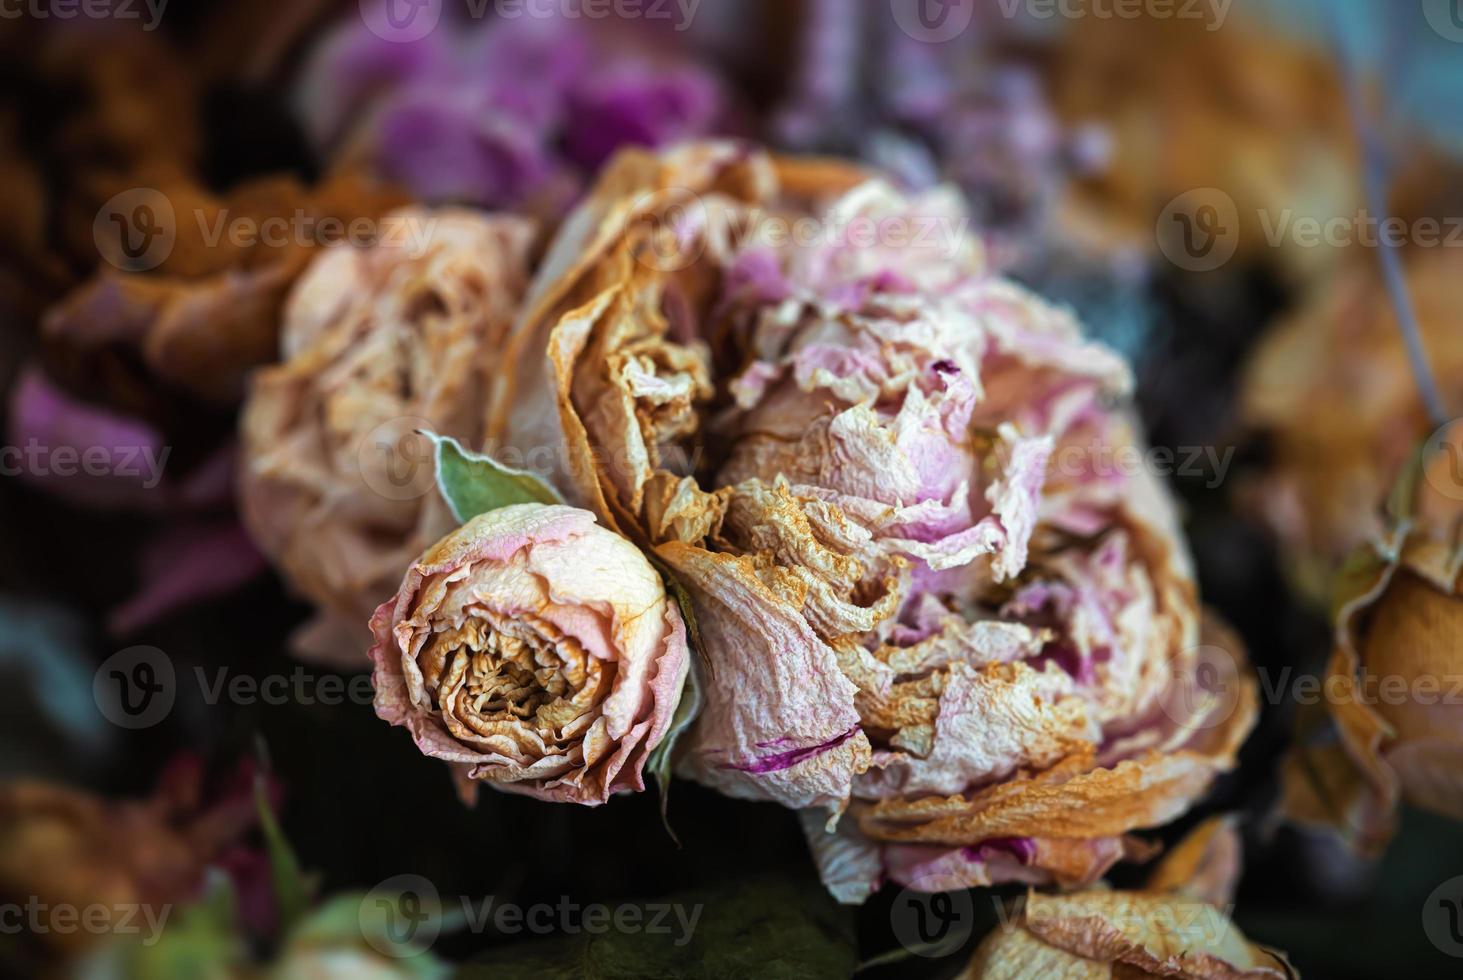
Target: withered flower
[(1394, 684), (66, 850), (1255, 114), (934, 597), (209, 313), (376, 343), (534, 650), (1176, 926), (1332, 390)]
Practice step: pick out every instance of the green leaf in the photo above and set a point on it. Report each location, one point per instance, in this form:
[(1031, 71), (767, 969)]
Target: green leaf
[(766, 927), (689, 704), (292, 889), (198, 940), (661, 757), (474, 484), (349, 921)]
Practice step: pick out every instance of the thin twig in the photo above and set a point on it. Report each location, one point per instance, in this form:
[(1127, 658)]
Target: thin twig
[(1374, 181)]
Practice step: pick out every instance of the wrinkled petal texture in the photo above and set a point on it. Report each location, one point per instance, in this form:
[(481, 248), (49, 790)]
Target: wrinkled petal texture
[(534, 650), (1176, 926), (1398, 624), (932, 605), (337, 489)]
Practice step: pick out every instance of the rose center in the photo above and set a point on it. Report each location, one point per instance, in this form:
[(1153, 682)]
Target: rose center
[(492, 669)]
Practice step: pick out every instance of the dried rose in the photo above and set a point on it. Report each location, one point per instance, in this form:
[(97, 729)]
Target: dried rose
[(1255, 114), (931, 593), (1392, 687), (62, 848), (534, 650), (128, 114), (1176, 926), (210, 312), (1332, 390), (376, 343)]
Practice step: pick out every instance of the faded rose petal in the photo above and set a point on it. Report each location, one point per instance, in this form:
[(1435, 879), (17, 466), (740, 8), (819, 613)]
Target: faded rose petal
[(791, 733), (1333, 465), (210, 313), (449, 117), (1396, 649), (119, 451), (378, 342), (189, 563), (533, 650), (1175, 926), (857, 452)]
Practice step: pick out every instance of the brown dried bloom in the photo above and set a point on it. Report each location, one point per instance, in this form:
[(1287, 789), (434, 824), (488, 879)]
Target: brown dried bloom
[(1176, 926), (1332, 390), (376, 343), (930, 602), (1394, 684)]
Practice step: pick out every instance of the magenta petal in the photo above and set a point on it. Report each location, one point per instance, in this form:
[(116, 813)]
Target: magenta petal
[(188, 564), (84, 454)]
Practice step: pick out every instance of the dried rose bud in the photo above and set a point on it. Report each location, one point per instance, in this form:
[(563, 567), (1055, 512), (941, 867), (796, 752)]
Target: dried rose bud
[(1393, 688), (1332, 390), (377, 343), (934, 596), (534, 650), (1176, 926)]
